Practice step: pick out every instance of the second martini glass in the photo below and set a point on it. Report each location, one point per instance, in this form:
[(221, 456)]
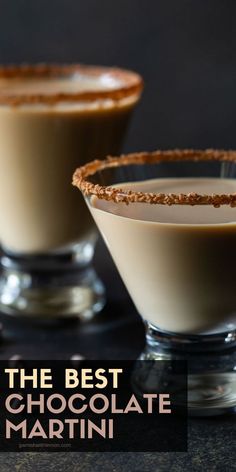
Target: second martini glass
[(52, 119)]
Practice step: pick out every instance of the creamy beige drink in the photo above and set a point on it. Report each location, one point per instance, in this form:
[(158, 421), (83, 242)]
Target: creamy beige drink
[(51, 122), (177, 262)]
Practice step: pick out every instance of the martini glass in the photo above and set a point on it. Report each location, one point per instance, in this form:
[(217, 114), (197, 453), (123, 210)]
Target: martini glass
[(52, 119), (169, 221)]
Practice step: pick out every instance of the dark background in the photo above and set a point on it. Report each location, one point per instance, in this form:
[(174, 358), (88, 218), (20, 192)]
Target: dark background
[(186, 52), (185, 49)]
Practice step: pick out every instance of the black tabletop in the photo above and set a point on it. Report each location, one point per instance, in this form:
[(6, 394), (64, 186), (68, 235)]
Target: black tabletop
[(116, 333)]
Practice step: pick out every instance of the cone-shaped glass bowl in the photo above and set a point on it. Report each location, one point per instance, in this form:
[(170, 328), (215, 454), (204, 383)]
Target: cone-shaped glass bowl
[(169, 221)]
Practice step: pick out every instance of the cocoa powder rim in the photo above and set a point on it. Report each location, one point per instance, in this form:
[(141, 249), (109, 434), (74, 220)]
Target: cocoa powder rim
[(129, 83), (82, 174)]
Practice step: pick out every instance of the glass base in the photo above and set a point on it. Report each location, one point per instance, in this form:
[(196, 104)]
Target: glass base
[(50, 287), (211, 363)]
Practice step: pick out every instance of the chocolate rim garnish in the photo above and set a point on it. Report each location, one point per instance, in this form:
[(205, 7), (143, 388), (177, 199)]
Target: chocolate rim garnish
[(81, 175), (131, 83)]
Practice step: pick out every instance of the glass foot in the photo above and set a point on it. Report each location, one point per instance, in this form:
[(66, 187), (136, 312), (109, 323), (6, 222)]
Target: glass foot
[(211, 361), (54, 292)]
